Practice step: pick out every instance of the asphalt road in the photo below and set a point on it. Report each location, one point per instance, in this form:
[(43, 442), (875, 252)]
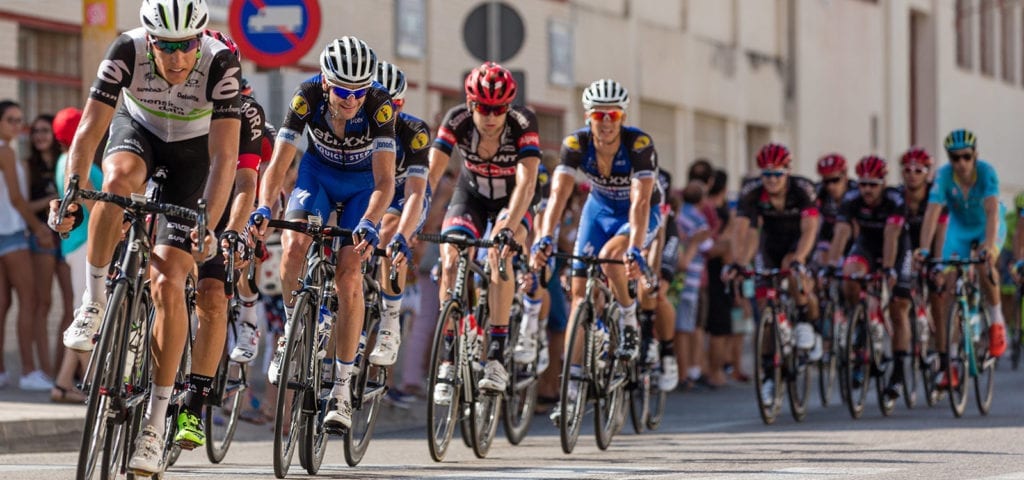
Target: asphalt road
[(708, 434)]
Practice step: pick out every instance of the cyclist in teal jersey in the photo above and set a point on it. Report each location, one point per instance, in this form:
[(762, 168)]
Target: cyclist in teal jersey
[(969, 188)]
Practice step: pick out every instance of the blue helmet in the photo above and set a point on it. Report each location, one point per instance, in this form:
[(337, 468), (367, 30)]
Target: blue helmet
[(960, 139)]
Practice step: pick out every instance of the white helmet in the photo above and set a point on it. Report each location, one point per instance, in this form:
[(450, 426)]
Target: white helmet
[(389, 75), (174, 19), (348, 60), (605, 92)]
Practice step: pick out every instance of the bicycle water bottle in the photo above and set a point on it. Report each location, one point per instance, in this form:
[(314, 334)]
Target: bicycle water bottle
[(323, 331), (602, 336), (134, 347), (974, 320), (327, 376), (922, 324)]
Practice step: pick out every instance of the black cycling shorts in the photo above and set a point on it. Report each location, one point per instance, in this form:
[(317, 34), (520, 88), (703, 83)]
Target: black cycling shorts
[(870, 259), (471, 214)]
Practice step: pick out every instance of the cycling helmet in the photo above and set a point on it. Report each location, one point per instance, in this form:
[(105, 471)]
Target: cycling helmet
[(605, 93), (773, 155), (392, 78), (918, 156), (174, 19), (831, 164), (348, 60), (490, 84), (1018, 201), (226, 40), (872, 166), (960, 139)]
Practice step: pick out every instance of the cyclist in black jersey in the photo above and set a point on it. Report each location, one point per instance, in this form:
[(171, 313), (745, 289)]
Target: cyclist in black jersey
[(833, 187), (407, 212), (535, 295), (349, 124), (180, 110), (878, 214), (784, 207), (500, 150)]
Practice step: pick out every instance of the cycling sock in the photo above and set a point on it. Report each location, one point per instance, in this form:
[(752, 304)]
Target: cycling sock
[(199, 387), (499, 335), (156, 411), (995, 314), (900, 357), (575, 371), (248, 312), (693, 373), (392, 309), (531, 310), (628, 314), (95, 284), (668, 348), (344, 371), (288, 311)]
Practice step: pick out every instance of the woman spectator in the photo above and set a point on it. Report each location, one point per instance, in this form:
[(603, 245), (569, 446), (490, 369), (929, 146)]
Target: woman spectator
[(16, 221)]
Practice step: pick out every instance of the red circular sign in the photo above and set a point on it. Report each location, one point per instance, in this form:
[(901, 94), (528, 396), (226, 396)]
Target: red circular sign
[(274, 33)]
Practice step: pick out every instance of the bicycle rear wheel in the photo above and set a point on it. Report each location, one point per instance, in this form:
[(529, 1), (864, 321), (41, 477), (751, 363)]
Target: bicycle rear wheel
[(768, 369), (225, 406), (911, 366), (985, 381), (521, 397), (609, 388), (656, 402), (858, 360), (369, 387), (956, 371), (292, 385), (798, 382), (1015, 327), (639, 397), (883, 363), (313, 441), (575, 385), (827, 364), (442, 417)]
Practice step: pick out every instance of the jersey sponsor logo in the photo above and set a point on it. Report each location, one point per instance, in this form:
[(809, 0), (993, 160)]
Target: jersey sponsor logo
[(384, 114), (518, 116), (529, 139), (227, 87), (185, 96), (641, 142), (490, 169), (572, 143), (446, 135), (112, 71), (301, 195), (543, 178), (300, 106), (419, 141), (384, 144), (329, 139)]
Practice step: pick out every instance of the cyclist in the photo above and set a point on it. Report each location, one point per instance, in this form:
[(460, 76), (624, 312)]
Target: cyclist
[(833, 187), (618, 219), (536, 300), (500, 148), (407, 212), (349, 123), (877, 215), (784, 207), (181, 112), (968, 188)]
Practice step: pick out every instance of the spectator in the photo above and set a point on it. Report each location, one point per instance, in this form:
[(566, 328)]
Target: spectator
[(719, 321), (695, 236), (700, 170), (16, 221)]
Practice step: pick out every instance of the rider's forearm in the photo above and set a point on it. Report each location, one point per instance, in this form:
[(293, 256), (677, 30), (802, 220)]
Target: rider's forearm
[(522, 194), (890, 239), (840, 237), (992, 220), (383, 186), (808, 231), (438, 162), (224, 135), (95, 119), (931, 218), (1018, 241), (415, 191), (740, 245), (561, 189), (639, 210), (244, 196), (273, 176)]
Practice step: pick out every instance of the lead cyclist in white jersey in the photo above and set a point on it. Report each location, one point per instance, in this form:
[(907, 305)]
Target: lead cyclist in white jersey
[(181, 112)]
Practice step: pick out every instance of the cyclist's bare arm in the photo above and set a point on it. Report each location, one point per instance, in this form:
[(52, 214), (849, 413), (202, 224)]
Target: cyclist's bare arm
[(840, 237), (224, 133), (808, 232), (95, 120), (273, 176), (928, 225), (741, 248), (522, 194), (383, 187), (639, 209), (438, 162), (415, 190), (890, 243), (992, 220), (245, 195), (562, 186)]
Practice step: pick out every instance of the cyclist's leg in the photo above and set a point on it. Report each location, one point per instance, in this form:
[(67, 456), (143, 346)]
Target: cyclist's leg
[(899, 312), (857, 264), (309, 197), (990, 289), (957, 244), (462, 217)]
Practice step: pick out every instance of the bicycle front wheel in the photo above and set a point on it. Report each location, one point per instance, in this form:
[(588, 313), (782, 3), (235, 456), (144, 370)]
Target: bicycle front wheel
[(985, 381), (224, 409), (575, 384), (369, 387), (768, 368), (443, 384), (521, 397), (292, 384), (956, 371), (827, 364), (639, 397), (858, 360)]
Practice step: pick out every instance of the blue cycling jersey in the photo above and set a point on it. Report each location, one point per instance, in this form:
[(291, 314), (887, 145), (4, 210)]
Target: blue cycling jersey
[(966, 208)]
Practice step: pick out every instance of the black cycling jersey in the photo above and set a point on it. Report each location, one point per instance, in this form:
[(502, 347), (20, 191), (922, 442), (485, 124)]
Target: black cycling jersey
[(372, 129), (253, 134), (871, 220), (663, 188), (828, 207), (413, 137), (915, 217), (491, 178), (778, 226), (635, 158)]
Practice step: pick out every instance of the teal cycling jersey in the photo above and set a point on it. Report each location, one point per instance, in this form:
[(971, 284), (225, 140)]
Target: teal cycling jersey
[(967, 208)]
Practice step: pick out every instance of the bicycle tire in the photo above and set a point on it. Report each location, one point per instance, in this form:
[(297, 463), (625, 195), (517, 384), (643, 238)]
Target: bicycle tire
[(370, 384), (610, 398), (798, 382), (768, 358), (138, 378), (840, 332), (288, 415), (570, 418), (884, 365), (956, 370), (521, 396), (441, 421), (1016, 333), (656, 404), (639, 398), (985, 381), (858, 360), (313, 441), (226, 407), (827, 364)]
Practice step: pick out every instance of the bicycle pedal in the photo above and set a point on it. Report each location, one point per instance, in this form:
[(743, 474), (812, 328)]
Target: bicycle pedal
[(185, 445), (335, 430)]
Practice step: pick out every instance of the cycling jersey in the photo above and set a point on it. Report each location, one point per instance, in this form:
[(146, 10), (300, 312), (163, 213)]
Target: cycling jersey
[(493, 178), (663, 187), (966, 209), (778, 225), (635, 158), (871, 220), (371, 130), (410, 161), (828, 207), (542, 192), (171, 113), (915, 217)]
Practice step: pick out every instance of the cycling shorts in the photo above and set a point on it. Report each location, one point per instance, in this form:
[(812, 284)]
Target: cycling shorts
[(319, 187), (904, 264), (471, 214), (959, 237), (599, 223)]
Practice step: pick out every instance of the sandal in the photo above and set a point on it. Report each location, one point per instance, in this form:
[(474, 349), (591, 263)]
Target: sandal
[(66, 395)]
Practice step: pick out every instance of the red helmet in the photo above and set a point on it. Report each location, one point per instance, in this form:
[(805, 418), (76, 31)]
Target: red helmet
[(226, 40), (773, 155), (917, 155), (872, 166), (490, 84), (831, 164)]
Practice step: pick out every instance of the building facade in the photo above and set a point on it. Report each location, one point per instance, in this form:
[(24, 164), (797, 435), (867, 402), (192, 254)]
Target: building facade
[(707, 78)]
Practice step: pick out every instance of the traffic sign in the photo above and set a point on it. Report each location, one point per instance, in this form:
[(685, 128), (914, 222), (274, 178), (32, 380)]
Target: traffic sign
[(274, 33)]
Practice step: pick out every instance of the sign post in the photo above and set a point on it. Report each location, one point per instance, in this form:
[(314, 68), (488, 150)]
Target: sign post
[(274, 33)]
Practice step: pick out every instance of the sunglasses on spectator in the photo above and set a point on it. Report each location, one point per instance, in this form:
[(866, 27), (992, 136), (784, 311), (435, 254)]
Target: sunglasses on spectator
[(773, 173), (169, 47), (831, 180), (966, 157), (869, 183), (602, 115), (343, 93), (915, 169), (490, 109)]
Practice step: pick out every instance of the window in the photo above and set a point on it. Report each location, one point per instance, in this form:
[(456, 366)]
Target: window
[(988, 34), (53, 62), (551, 129), (964, 34), (1008, 34)]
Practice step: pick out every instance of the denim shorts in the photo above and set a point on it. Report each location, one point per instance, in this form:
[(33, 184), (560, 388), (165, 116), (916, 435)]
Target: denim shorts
[(13, 242), (33, 244), (686, 314)]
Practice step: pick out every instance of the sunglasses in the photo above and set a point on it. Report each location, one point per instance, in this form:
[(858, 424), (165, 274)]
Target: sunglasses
[(773, 173), (917, 170), (831, 180), (869, 183), (169, 47), (344, 93), (602, 115), (966, 157), (490, 109)]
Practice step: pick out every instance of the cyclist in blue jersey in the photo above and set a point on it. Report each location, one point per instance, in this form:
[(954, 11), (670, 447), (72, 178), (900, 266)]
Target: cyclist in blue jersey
[(969, 189), (349, 123), (618, 220)]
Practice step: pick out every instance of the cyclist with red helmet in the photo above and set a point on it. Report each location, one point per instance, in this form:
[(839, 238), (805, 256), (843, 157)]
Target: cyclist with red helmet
[(783, 206), (833, 187), (878, 214), (500, 150)]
